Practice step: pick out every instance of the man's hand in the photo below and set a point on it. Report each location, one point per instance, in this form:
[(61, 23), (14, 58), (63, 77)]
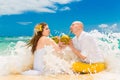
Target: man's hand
[(71, 44), (62, 44)]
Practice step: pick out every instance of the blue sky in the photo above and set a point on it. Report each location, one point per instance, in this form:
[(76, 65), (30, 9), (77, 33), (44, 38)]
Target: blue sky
[(18, 17)]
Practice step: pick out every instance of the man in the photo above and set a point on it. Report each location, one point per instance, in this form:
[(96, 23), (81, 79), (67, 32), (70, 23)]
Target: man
[(83, 44)]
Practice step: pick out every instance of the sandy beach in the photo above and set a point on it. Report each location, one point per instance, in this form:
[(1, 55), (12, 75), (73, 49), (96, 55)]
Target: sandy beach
[(47, 77), (97, 76)]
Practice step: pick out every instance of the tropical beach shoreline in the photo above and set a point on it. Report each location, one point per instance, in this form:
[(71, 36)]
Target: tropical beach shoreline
[(101, 18), (13, 51)]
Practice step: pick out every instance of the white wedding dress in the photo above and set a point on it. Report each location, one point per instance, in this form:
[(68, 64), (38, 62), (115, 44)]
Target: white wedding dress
[(38, 64), (47, 62), (38, 60)]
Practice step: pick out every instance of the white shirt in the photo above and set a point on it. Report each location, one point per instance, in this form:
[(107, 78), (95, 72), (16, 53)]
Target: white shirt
[(86, 44)]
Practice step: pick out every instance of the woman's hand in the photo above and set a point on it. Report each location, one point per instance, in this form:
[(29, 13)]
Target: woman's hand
[(56, 39)]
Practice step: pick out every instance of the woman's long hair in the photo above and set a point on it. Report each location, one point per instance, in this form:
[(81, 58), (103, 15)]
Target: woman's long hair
[(37, 35)]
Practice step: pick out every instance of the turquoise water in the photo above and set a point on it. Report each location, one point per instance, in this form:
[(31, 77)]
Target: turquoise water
[(111, 41), (7, 43), (119, 43)]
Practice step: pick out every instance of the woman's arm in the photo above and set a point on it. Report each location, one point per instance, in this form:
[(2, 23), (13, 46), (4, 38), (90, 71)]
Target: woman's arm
[(52, 42)]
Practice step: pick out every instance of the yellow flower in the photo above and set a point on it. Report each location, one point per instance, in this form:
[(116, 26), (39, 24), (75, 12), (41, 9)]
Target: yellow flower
[(39, 28)]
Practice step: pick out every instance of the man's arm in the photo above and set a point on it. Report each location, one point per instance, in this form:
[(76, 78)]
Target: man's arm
[(77, 52)]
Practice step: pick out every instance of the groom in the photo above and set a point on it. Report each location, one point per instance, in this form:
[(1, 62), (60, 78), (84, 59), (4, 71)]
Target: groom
[(83, 44)]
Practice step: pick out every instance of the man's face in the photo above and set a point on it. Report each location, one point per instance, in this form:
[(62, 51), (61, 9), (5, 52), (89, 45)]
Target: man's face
[(75, 28)]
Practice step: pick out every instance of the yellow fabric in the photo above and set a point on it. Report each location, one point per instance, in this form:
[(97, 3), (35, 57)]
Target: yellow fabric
[(88, 68)]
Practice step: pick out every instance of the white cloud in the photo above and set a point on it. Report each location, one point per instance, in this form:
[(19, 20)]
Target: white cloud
[(63, 1), (9, 7), (103, 26), (24, 23), (108, 28), (65, 8), (114, 26)]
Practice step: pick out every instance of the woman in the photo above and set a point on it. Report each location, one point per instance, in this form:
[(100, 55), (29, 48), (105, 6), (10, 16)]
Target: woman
[(38, 42), (44, 57), (40, 38)]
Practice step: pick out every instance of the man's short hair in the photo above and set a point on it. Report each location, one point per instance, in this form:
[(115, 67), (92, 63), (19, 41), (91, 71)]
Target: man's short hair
[(77, 22)]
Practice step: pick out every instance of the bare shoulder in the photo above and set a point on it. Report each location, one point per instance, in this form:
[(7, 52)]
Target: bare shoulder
[(44, 39)]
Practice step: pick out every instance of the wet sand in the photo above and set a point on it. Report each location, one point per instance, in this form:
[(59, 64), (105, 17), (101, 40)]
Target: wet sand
[(48, 77)]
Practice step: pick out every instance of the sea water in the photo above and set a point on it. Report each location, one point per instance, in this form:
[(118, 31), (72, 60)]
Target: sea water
[(15, 56), (13, 51), (9, 42)]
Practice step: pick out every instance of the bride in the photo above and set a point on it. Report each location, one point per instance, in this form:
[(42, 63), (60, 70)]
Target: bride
[(47, 54)]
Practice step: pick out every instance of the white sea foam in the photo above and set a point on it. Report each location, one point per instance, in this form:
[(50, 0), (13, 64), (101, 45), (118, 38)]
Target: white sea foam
[(108, 45), (20, 57), (19, 60)]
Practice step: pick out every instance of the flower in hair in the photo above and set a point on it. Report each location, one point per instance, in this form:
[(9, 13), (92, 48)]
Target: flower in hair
[(39, 28)]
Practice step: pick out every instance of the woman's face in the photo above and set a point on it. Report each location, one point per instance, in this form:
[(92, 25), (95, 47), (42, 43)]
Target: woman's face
[(46, 31)]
